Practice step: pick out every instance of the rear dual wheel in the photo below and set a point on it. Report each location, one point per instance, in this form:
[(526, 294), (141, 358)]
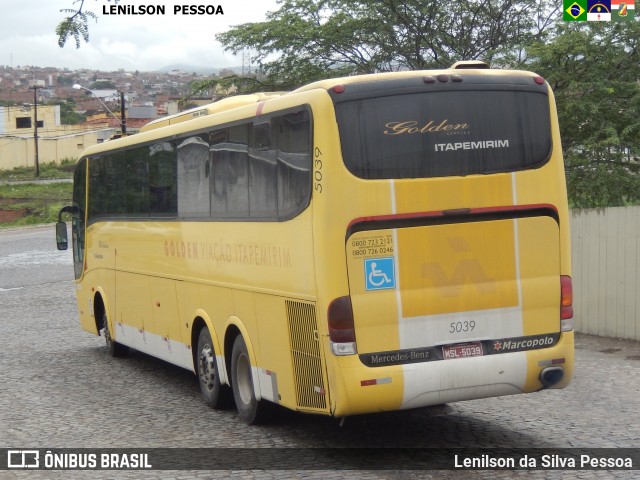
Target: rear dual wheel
[(215, 394), (249, 408)]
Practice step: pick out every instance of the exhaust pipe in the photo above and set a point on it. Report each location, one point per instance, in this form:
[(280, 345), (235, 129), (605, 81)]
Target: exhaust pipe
[(551, 376)]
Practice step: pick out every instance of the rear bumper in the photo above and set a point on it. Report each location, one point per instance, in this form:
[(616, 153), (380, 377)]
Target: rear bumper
[(356, 388)]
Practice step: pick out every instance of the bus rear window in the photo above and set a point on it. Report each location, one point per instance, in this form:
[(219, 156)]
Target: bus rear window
[(446, 133)]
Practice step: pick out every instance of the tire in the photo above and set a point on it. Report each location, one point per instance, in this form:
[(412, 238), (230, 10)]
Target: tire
[(114, 349), (250, 410), (215, 394)]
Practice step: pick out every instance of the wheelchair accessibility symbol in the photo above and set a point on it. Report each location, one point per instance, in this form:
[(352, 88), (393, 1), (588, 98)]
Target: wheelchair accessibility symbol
[(379, 273)]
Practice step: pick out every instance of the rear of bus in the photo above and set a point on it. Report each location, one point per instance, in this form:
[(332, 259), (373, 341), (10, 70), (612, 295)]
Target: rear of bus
[(442, 239)]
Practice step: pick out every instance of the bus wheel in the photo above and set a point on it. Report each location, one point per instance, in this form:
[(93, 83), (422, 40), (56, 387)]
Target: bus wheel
[(249, 409), (215, 394), (114, 348)]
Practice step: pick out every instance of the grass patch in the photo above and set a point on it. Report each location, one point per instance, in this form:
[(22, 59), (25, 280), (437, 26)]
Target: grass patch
[(41, 201), (64, 169)]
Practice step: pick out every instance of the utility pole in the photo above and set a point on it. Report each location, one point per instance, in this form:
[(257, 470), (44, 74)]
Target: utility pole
[(123, 119), (35, 127)]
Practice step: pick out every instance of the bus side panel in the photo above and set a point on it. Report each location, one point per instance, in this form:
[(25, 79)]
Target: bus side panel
[(162, 329), (291, 370), (98, 277), (132, 310), (84, 302)]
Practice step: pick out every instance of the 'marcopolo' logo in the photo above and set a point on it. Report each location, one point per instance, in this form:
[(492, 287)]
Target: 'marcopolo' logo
[(524, 343)]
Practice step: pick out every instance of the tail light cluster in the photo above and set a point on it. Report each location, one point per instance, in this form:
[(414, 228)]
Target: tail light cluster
[(342, 333), (566, 304)]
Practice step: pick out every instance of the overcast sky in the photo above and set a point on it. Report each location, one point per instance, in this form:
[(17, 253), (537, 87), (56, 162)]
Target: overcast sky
[(131, 42)]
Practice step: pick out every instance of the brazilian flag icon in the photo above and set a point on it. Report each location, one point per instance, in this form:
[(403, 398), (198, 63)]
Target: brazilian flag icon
[(574, 10)]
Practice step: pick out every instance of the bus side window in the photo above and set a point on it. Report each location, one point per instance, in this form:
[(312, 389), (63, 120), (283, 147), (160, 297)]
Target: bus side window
[(77, 219), (136, 198), (193, 178), (163, 195), (263, 181), (230, 192), (294, 162)]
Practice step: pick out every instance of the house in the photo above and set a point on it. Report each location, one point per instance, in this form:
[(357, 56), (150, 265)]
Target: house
[(55, 141)]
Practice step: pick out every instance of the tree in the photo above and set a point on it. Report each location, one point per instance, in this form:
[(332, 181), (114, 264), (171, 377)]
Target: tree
[(594, 69), (309, 39), (64, 80), (68, 115), (76, 23), (103, 85)]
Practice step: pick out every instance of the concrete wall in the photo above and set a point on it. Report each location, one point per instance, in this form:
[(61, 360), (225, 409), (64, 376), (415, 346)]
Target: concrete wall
[(19, 151), (606, 271)]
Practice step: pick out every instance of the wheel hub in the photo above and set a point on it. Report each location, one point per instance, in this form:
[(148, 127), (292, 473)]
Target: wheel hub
[(207, 370)]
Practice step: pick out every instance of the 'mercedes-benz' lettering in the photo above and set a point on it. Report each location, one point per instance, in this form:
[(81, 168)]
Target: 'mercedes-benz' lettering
[(446, 147)]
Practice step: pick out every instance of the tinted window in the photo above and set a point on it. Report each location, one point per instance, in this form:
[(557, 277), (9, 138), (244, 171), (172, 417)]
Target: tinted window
[(445, 133), (136, 182), (162, 179), (193, 177), (106, 185), (263, 168), (77, 218), (258, 170), (293, 133), (230, 191)]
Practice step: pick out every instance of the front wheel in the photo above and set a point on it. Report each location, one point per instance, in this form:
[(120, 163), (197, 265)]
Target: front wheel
[(114, 348), (215, 394), (250, 410)]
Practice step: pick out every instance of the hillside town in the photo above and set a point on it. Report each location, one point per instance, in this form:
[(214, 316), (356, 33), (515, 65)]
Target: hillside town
[(70, 110)]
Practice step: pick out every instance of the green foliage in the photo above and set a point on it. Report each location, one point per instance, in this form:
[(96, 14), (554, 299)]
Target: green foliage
[(64, 80), (103, 85), (64, 169), (41, 201), (309, 39), (593, 67), (75, 24), (594, 70), (68, 114)]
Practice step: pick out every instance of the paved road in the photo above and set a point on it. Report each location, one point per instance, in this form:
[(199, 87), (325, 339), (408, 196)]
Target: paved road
[(59, 389)]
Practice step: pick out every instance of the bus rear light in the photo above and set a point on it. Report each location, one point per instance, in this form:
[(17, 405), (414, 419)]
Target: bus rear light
[(566, 303), (338, 89), (341, 327), (539, 80)]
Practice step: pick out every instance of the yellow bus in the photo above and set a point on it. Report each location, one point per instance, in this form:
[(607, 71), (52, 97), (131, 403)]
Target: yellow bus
[(358, 245)]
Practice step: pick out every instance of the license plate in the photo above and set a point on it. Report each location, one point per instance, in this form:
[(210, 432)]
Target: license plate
[(462, 351)]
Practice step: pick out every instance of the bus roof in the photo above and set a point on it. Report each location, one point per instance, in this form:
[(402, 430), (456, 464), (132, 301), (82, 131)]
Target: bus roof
[(214, 107), (231, 103), (459, 68)]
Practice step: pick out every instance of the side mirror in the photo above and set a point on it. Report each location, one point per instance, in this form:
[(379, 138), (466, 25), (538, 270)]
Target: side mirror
[(61, 236)]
